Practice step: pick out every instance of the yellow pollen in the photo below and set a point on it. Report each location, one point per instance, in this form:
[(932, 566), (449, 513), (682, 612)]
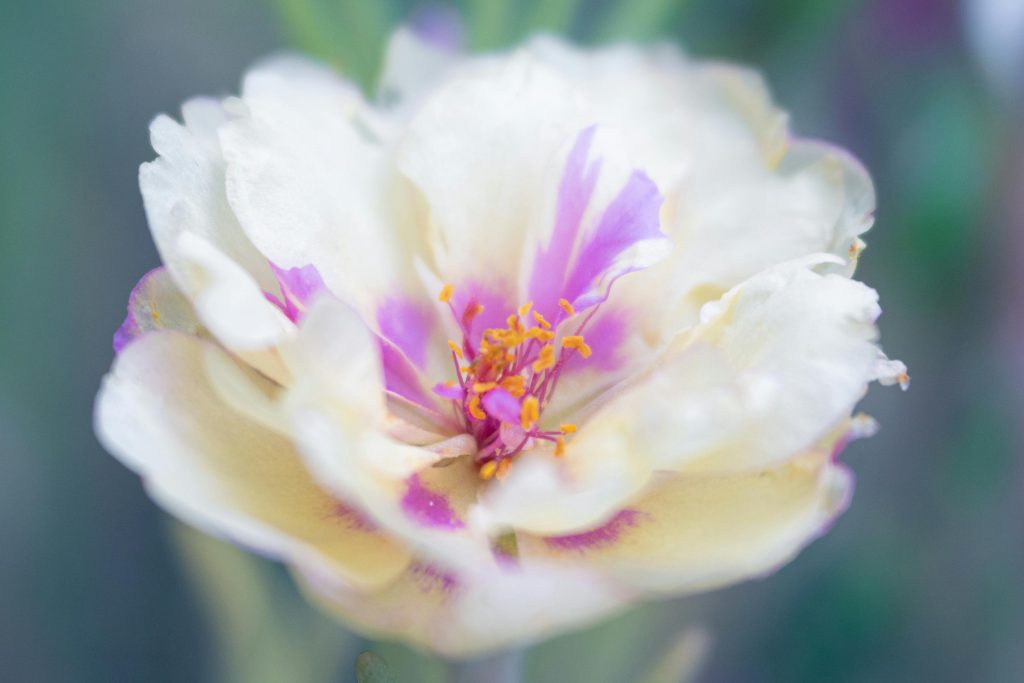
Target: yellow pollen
[(446, 294), (513, 323), (483, 387), (455, 348), (465, 369), (503, 467), (530, 412), (514, 385), (546, 359), (488, 469), (541, 334), (567, 307), (559, 447), (576, 342), (541, 321), (568, 428), (525, 309), (475, 410)]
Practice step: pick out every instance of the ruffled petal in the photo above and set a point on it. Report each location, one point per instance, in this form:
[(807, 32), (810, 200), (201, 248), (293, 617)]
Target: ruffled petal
[(156, 303), (225, 473), (692, 533)]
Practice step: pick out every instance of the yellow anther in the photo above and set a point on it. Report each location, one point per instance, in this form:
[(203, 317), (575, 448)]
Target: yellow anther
[(446, 294), (466, 369), (514, 385), (513, 323), (473, 311), (524, 310), (455, 348), (530, 412), (488, 469), (541, 334), (483, 387), (503, 467), (567, 307), (475, 410), (576, 342), (546, 359), (559, 447), (568, 428), (541, 321)]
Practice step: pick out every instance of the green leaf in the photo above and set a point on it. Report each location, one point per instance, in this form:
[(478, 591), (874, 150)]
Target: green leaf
[(639, 19), (370, 668)]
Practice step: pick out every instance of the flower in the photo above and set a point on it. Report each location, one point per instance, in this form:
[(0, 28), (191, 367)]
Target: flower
[(528, 338)]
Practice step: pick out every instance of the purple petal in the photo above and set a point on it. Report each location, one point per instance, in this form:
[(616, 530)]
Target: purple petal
[(401, 376)]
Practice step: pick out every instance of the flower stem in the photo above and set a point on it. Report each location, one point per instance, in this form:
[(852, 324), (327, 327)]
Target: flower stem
[(504, 667)]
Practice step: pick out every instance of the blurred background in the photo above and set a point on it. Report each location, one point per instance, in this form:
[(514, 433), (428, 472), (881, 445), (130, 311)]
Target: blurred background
[(920, 580)]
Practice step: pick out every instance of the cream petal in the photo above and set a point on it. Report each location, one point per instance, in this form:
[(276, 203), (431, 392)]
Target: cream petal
[(517, 111), (220, 471), (413, 69), (156, 303), (692, 533), (472, 612), (311, 184)]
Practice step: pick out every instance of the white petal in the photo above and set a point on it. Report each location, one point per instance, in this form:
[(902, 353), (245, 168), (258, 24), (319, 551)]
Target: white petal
[(219, 470), (309, 183), (518, 114)]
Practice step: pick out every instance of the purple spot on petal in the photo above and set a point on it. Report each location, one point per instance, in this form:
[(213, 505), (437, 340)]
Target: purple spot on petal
[(602, 536), (502, 405), (408, 325), (401, 376), (429, 508), (129, 329), (497, 306)]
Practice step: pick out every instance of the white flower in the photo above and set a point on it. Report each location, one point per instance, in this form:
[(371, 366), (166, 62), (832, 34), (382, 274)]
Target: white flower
[(536, 335)]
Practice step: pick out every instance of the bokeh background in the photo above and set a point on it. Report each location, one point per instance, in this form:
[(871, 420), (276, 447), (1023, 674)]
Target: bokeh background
[(923, 579)]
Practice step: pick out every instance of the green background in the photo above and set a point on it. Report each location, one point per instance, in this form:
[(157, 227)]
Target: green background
[(920, 581)]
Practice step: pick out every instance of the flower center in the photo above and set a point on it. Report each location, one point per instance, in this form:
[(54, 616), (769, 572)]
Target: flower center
[(504, 382)]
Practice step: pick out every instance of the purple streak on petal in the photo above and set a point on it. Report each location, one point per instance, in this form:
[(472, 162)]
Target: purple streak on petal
[(408, 325), (439, 25), (574, 263), (631, 217), (129, 329), (427, 507), (401, 376), (354, 518), (432, 577), (298, 288), (605, 334), (502, 405), (453, 393), (574, 193), (603, 535)]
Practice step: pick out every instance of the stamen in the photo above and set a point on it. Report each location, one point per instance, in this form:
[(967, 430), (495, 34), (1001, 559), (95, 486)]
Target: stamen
[(475, 410), (567, 307), (446, 294), (515, 385), (455, 348), (524, 310), (541, 321), (483, 387), (560, 447), (530, 412), (546, 360), (576, 342), (488, 469), (503, 469), (568, 428)]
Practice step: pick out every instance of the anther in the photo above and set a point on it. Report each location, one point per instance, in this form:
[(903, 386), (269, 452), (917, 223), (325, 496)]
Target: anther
[(541, 321), (546, 359), (576, 342), (455, 348), (475, 410), (488, 469), (567, 307), (530, 412), (446, 294)]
